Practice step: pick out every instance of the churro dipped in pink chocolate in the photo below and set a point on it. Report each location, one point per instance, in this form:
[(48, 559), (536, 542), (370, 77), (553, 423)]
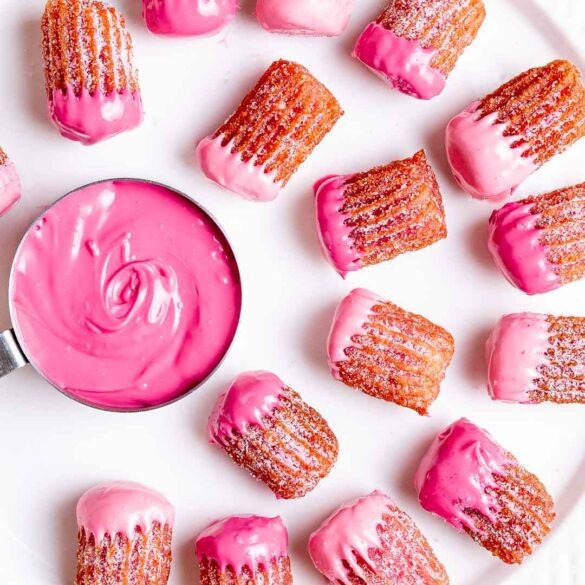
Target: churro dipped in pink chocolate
[(474, 484), (10, 189)]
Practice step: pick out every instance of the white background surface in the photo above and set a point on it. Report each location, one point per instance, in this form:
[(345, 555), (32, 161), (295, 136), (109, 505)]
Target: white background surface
[(52, 448)]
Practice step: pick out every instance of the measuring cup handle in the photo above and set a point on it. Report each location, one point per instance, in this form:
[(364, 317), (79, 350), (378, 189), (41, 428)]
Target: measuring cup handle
[(11, 356)]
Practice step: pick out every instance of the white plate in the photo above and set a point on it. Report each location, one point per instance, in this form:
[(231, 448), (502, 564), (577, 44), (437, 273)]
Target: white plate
[(53, 448)]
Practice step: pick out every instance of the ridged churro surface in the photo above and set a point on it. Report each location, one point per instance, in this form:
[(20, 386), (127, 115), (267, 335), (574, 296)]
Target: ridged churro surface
[(278, 572)]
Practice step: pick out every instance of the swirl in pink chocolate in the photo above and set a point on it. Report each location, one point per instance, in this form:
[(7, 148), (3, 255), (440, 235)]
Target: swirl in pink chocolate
[(456, 471), (125, 295), (120, 507), (243, 541), (401, 62), (514, 242), (10, 189)]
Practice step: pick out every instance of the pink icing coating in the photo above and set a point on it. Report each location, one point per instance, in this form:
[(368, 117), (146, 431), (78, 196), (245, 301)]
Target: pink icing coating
[(514, 351), (226, 168), (401, 62), (92, 118), (483, 160), (125, 295), (184, 18), (350, 316), (305, 17), (455, 472), (10, 189), (121, 507), (514, 242), (251, 397), (352, 530), (243, 541)]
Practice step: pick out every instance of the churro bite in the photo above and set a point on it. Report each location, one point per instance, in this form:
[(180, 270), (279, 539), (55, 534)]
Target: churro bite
[(275, 128), (535, 358), (267, 429), (305, 17), (415, 44), (387, 352), (124, 535), (474, 484), (539, 242), (10, 189), (92, 85), (373, 216), (244, 550), (371, 541), (498, 141)]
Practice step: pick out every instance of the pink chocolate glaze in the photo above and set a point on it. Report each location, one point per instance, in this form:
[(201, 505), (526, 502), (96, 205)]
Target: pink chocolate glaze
[(251, 397), (92, 118), (305, 17), (514, 242), (455, 472), (10, 189), (401, 62), (483, 161), (120, 507), (514, 351), (243, 541), (125, 295), (352, 530), (184, 18), (226, 168)]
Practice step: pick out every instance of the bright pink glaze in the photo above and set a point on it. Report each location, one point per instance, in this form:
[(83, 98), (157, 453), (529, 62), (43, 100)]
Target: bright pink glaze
[(483, 160), (455, 472), (334, 234), (121, 507), (515, 350), (352, 530), (305, 17), (10, 189), (184, 18), (251, 397), (125, 295), (243, 541), (226, 168), (92, 118), (514, 242), (349, 319), (401, 62)]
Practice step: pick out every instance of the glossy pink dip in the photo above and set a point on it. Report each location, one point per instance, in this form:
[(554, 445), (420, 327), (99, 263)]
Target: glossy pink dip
[(125, 295), (92, 118), (305, 17), (183, 18), (401, 62), (514, 242), (243, 541), (352, 530), (10, 189), (483, 161), (455, 472), (515, 350), (120, 507)]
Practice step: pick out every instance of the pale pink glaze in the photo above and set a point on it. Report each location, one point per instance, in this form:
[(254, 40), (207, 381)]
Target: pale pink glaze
[(515, 350), (125, 295), (514, 242), (120, 507), (10, 189), (349, 319), (226, 168), (184, 18), (305, 17), (455, 472), (483, 160), (92, 118), (243, 541), (352, 530), (251, 397), (401, 62)]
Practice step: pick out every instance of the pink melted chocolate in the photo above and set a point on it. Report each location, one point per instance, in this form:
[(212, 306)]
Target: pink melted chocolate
[(401, 62), (456, 471), (10, 189), (125, 295), (120, 507), (243, 541)]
